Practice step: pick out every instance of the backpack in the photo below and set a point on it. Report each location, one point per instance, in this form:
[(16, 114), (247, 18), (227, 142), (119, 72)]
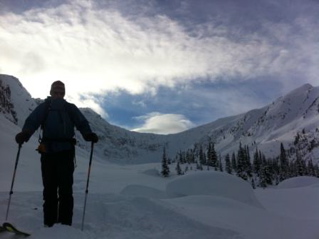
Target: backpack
[(47, 103)]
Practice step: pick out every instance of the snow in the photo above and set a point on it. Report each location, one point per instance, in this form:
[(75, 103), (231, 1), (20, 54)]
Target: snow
[(208, 183), (301, 181), (135, 202)]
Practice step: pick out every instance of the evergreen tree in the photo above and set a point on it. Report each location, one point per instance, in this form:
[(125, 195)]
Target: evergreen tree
[(310, 168), (178, 169), (265, 175), (316, 170), (220, 164), (234, 162), (190, 156), (284, 163), (228, 164), (212, 155), (257, 163), (275, 170), (186, 169), (300, 165), (199, 166), (248, 167), (297, 138), (202, 156), (241, 163), (253, 183), (181, 157), (165, 168)]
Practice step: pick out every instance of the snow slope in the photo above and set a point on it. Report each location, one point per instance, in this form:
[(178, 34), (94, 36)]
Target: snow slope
[(134, 202), (263, 129)]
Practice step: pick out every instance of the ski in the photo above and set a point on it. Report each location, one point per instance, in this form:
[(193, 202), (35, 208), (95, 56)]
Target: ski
[(8, 227)]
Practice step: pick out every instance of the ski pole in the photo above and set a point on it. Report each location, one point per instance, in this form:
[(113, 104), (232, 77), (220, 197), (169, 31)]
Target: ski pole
[(87, 184), (13, 178)]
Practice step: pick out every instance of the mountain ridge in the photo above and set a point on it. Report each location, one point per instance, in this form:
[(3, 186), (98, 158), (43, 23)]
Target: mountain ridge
[(263, 129)]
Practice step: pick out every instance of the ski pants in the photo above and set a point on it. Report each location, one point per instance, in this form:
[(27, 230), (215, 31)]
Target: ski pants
[(57, 177)]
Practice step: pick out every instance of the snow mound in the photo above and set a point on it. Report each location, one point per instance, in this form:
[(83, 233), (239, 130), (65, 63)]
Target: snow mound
[(296, 182), (214, 184), (143, 191)]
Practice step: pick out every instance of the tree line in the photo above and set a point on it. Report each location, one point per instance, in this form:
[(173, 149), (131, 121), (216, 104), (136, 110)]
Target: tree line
[(258, 170)]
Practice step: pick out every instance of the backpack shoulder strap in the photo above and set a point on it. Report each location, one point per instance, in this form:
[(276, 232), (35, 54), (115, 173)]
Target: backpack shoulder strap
[(47, 103), (68, 109)]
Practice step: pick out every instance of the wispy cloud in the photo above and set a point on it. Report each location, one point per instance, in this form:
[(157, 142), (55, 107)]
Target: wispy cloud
[(98, 47)]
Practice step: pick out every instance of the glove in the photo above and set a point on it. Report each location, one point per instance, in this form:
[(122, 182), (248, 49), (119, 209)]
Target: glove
[(91, 137), (22, 137)]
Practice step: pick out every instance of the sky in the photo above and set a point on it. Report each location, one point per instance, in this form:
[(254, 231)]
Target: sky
[(162, 66)]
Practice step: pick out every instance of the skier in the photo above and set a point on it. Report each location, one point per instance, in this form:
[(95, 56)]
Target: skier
[(57, 118)]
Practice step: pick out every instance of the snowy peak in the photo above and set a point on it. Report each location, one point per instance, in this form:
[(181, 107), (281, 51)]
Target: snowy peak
[(263, 129), (267, 127), (16, 102), (295, 104), (299, 107)]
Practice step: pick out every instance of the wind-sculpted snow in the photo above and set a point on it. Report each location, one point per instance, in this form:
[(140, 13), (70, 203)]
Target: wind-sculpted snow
[(214, 184), (301, 181)]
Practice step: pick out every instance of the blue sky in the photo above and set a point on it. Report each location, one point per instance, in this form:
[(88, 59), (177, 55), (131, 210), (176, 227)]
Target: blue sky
[(162, 66)]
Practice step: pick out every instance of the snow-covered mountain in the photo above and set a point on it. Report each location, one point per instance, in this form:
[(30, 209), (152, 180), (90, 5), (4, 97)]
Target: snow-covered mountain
[(292, 120), (287, 118)]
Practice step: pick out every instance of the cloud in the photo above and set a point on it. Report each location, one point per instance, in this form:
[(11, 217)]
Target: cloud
[(103, 47), (78, 41), (163, 123)]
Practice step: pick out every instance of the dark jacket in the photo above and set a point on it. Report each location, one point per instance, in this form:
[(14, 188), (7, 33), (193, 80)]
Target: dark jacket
[(58, 118)]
